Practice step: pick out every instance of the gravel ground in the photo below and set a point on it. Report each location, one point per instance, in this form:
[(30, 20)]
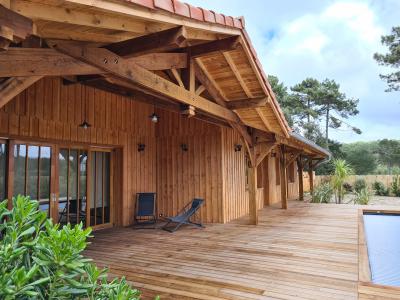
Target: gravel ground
[(375, 200)]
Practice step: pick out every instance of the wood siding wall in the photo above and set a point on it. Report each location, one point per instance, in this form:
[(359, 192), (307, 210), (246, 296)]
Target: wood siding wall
[(51, 111), (210, 169), (235, 196), (184, 175)]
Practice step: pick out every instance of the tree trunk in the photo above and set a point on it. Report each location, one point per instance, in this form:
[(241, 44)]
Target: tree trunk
[(327, 127)]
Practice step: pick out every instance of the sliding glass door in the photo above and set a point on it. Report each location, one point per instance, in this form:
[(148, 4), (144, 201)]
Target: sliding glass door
[(100, 188), (84, 177), (71, 184), (72, 170), (32, 173)]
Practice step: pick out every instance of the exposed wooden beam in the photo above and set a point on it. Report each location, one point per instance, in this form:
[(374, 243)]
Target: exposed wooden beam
[(63, 14), (253, 209), (20, 25), (49, 62), (292, 158), (13, 86), (300, 175), (226, 44), (264, 150), (200, 90), (283, 178), (177, 77), (247, 103), (6, 37), (247, 91), (155, 42), (188, 111), (212, 87), (134, 75)]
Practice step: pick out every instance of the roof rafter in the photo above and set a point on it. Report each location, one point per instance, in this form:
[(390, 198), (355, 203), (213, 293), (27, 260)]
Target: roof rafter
[(135, 76)]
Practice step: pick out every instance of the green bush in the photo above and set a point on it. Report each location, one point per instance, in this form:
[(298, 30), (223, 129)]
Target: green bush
[(41, 260), (359, 185), (396, 186), (363, 196), (380, 189), (322, 193)]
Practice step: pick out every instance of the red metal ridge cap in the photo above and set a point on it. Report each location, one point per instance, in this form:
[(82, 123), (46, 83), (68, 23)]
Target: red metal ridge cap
[(192, 12)]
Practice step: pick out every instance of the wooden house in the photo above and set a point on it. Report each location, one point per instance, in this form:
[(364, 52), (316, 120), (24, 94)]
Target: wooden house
[(100, 100)]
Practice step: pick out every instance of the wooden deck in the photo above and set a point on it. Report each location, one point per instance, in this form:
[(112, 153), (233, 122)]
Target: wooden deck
[(306, 252)]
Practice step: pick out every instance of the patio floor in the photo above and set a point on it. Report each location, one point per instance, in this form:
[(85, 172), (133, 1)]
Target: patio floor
[(306, 252)]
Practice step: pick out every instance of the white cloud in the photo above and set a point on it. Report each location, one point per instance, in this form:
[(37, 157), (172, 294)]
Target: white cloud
[(333, 39)]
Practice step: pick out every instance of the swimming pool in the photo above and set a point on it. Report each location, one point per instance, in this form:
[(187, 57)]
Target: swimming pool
[(382, 232)]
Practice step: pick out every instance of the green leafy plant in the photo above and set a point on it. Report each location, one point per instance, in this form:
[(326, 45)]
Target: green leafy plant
[(41, 260), (363, 196), (322, 193), (395, 186), (380, 189), (360, 184), (341, 171)]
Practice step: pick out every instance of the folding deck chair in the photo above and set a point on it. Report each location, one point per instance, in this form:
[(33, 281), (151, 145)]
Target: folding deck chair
[(184, 216), (145, 209)]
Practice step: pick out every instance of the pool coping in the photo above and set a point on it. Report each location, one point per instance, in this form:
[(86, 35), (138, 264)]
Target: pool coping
[(366, 288)]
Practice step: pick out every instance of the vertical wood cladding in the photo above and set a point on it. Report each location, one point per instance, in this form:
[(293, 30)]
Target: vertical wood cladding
[(184, 175), (210, 168), (51, 111)]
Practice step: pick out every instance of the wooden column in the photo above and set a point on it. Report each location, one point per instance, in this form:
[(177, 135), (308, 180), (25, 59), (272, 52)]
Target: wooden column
[(311, 175), (252, 173), (300, 174), (266, 181), (283, 178)]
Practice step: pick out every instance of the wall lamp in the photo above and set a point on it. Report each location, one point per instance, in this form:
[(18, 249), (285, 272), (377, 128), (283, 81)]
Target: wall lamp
[(184, 147), (238, 147), (154, 118), (140, 147), (273, 153)]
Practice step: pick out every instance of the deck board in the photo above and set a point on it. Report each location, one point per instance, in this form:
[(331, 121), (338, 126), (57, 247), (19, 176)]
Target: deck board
[(306, 252)]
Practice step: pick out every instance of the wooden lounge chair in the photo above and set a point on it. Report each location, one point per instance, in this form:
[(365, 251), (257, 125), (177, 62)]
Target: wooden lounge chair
[(184, 216), (145, 210)]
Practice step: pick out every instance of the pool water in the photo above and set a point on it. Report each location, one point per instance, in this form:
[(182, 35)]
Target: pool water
[(382, 232)]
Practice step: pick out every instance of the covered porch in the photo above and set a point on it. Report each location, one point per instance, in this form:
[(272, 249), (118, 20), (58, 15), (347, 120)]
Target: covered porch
[(291, 254)]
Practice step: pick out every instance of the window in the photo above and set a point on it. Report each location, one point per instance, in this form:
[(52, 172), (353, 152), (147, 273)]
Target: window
[(72, 165), (100, 188), (32, 173)]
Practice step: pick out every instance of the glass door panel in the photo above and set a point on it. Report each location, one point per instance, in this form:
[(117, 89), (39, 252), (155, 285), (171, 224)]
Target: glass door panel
[(72, 186), (3, 170), (32, 173), (100, 188)]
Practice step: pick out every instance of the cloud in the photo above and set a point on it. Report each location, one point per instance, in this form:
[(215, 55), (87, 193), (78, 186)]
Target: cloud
[(327, 39)]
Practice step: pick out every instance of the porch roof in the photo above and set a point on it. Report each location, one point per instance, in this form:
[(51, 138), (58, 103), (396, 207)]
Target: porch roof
[(228, 72)]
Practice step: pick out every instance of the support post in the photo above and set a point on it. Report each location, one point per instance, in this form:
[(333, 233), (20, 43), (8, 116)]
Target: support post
[(252, 173), (311, 176), (283, 178), (300, 174)]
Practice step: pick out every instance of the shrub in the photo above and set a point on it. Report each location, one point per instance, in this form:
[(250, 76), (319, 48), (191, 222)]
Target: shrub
[(363, 196), (348, 187), (360, 184), (322, 193), (396, 186), (40, 260), (380, 189), (341, 171)]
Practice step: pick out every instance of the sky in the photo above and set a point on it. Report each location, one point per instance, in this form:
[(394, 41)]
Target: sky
[(326, 39)]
